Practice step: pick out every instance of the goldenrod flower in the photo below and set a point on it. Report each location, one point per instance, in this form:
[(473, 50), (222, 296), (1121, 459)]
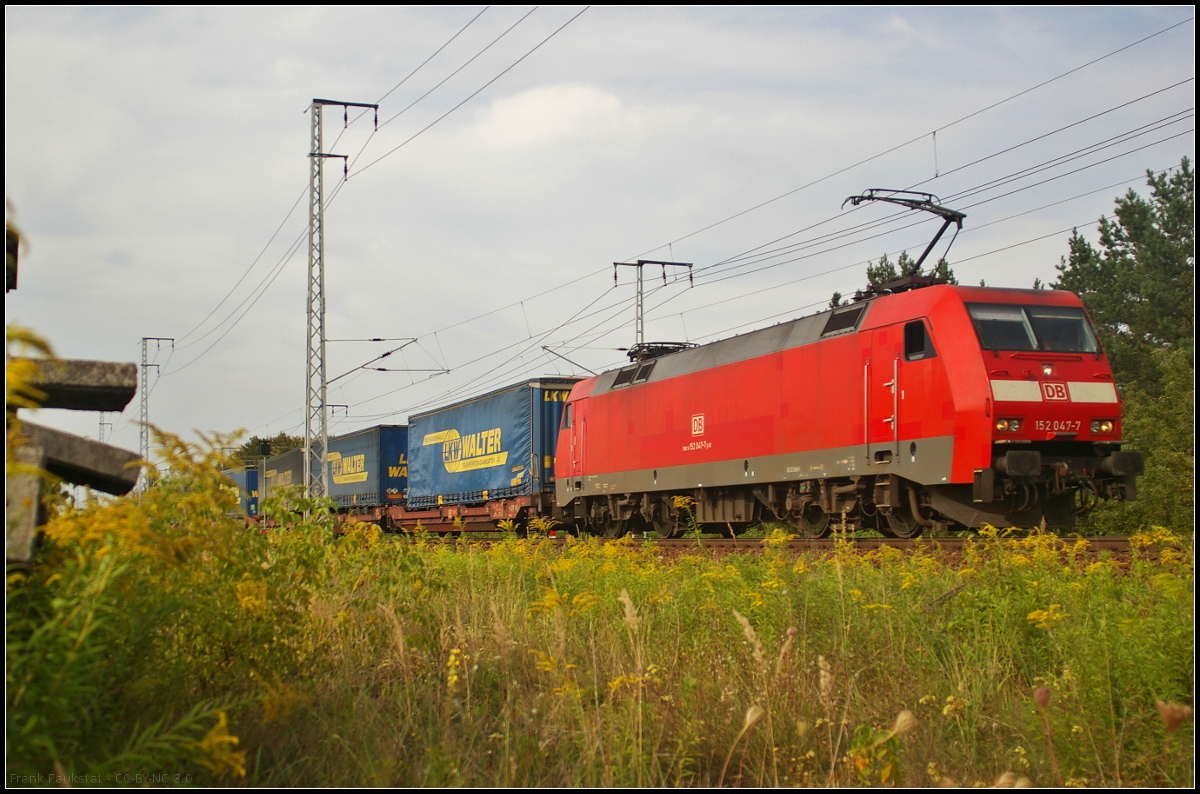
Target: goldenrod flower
[(216, 748)]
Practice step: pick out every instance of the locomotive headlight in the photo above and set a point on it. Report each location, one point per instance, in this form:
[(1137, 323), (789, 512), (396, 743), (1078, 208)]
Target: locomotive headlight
[(1102, 426), (1014, 425), (1002, 425), (1047, 370)]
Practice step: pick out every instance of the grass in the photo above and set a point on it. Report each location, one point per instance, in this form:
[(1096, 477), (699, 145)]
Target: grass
[(156, 633)]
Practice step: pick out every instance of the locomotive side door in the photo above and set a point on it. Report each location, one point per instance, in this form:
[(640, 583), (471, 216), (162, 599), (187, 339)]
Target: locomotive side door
[(882, 392), (575, 419), (901, 387)]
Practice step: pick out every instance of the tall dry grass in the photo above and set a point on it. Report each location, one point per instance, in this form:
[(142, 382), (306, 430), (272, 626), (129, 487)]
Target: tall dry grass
[(159, 634)]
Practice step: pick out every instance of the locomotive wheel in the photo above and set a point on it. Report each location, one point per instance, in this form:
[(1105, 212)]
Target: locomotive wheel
[(901, 522), (667, 529), (615, 529), (813, 521)]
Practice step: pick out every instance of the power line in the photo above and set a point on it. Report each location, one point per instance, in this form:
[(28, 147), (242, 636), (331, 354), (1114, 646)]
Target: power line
[(861, 162), (507, 69), (300, 197), (946, 126), (727, 299), (620, 304), (335, 192), (430, 58), (914, 140), (882, 222), (467, 63), (371, 137)]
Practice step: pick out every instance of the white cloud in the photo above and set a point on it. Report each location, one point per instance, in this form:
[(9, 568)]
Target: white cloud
[(550, 114)]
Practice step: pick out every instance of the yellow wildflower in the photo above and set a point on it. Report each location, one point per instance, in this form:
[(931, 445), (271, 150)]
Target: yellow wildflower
[(1045, 618), (216, 750), (252, 595), (452, 665)]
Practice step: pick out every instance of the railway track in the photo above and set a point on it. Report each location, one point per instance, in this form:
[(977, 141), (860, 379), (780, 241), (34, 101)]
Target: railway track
[(750, 545), (870, 544)]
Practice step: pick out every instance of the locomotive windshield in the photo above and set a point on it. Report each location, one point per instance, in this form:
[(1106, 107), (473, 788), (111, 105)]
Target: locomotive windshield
[(1060, 329)]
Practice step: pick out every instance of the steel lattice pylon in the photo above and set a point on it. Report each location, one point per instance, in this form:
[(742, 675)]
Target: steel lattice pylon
[(316, 424), (144, 435), (316, 414)]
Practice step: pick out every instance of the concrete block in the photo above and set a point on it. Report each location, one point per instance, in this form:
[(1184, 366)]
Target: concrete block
[(23, 506), (82, 461), (87, 385)]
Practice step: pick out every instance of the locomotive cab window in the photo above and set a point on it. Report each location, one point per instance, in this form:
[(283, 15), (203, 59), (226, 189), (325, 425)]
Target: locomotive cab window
[(1002, 327), (917, 344), (1061, 329), (568, 415)]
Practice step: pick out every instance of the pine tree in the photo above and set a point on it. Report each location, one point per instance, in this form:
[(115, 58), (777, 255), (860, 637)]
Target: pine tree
[(1138, 285), (884, 270)]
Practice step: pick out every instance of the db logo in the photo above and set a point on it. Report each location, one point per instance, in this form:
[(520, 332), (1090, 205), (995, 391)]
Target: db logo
[(698, 425), (1055, 391)]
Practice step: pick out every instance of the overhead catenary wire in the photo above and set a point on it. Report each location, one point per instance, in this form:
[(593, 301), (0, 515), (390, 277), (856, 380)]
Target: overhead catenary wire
[(483, 381), (1097, 146), (863, 263), (271, 278), (824, 178), (976, 190), (920, 137), (973, 163), (478, 91), (502, 377), (726, 298), (705, 274), (910, 225), (873, 223), (1044, 83)]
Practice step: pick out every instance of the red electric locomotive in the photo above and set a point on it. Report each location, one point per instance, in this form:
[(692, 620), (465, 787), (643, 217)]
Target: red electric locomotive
[(932, 406), (945, 404)]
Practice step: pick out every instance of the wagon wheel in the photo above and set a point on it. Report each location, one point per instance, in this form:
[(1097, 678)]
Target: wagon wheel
[(813, 521), (613, 528)]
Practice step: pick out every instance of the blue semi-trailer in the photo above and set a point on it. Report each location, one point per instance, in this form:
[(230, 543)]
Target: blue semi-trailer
[(497, 446)]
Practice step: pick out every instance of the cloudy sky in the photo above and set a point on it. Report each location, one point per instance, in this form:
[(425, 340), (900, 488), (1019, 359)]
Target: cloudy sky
[(156, 161)]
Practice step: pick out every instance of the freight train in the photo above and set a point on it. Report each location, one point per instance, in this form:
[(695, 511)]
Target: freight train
[(928, 406), (921, 406)]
